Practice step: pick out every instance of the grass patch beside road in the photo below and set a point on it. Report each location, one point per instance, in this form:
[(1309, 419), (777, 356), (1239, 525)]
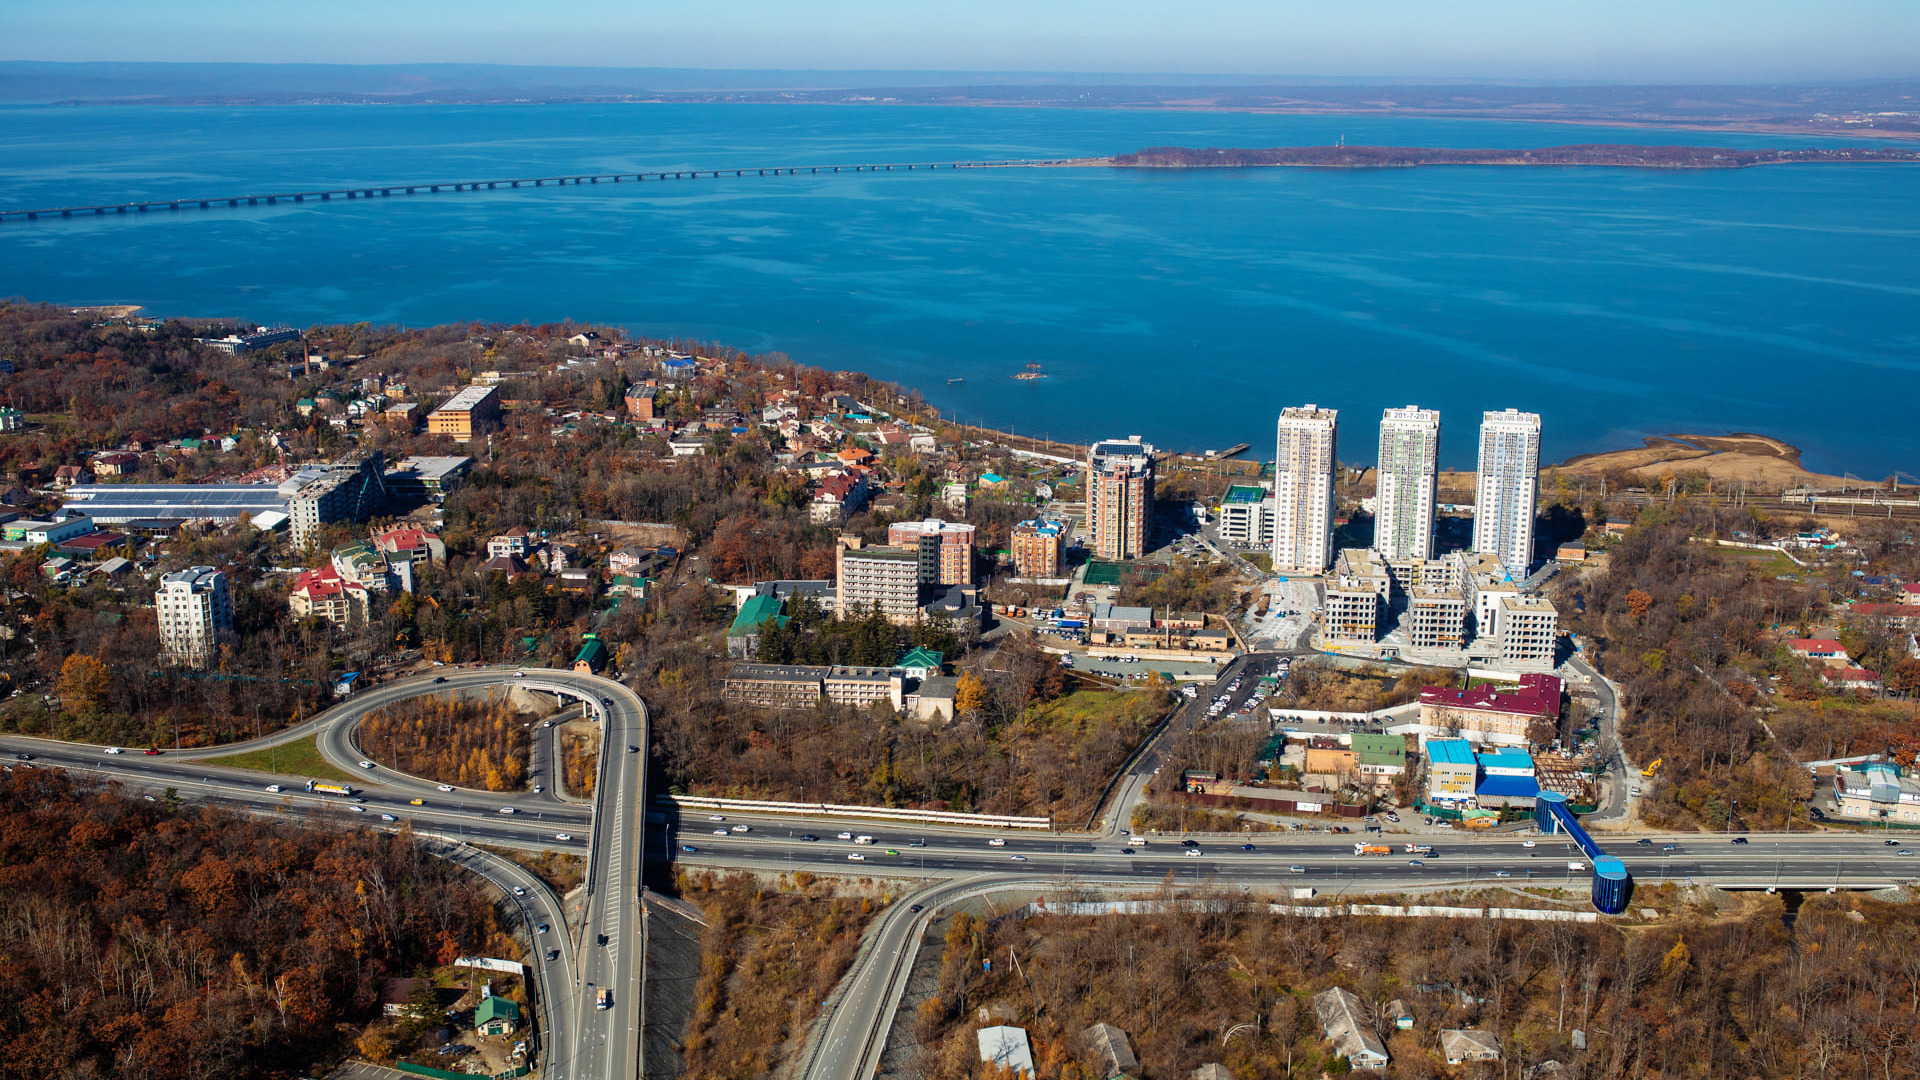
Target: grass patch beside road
[(296, 759)]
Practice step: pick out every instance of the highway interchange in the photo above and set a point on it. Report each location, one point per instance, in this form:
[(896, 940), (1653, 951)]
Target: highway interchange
[(937, 864)]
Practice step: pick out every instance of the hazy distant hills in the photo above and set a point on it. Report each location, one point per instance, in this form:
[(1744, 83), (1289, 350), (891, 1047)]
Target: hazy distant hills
[(1874, 108), (36, 81)]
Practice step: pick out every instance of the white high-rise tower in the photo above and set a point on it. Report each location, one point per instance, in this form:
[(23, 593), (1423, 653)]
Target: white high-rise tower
[(1403, 498), (1303, 490), (1508, 489)]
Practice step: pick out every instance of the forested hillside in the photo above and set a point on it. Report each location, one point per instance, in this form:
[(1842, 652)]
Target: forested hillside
[(152, 942)]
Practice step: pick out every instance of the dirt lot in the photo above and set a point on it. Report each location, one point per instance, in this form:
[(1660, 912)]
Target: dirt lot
[(1742, 457)]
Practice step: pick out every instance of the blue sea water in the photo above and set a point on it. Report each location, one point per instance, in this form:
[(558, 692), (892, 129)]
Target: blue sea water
[(1187, 307)]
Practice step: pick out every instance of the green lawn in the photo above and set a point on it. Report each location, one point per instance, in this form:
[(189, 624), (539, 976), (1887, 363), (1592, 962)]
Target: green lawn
[(295, 759)]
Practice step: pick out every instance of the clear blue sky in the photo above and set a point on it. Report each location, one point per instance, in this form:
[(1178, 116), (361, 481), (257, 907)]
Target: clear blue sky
[(1611, 40)]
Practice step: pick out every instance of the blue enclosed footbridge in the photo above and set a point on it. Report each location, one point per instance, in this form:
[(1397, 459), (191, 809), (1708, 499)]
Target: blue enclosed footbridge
[(1612, 885)]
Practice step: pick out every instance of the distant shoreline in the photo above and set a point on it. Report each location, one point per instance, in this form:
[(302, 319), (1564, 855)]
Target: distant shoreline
[(1602, 155)]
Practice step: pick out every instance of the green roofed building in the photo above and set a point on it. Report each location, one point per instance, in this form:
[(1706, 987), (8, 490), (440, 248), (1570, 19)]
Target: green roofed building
[(496, 1016), (921, 662), (1379, 758), (591, 657), (743, 637)]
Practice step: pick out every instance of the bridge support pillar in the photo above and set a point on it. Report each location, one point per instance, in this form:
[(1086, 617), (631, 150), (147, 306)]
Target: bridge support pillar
[(119, 209)]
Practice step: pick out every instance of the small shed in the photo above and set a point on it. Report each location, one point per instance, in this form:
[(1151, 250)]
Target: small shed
[(1110, 1045), (1006, 1047), (1401, 1016)]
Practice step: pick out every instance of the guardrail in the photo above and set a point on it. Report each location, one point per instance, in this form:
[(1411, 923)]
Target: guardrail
[(933, 817)]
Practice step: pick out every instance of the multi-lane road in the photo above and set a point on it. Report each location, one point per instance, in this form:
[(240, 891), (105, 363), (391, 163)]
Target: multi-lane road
[(581, 1041)]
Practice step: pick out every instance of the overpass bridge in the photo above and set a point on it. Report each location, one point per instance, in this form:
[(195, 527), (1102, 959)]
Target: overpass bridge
[(389, 190)]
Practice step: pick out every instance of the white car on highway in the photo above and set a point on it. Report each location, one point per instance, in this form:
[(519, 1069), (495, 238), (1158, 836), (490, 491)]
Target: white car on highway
[(366, 764), (562, 836), (843, 836), (996, 842), (508, 810), (114, 750), (855, 856), (446, 787)]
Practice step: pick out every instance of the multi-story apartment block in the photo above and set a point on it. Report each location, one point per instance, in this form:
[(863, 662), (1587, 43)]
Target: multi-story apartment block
[(1303, 490), (1039, 547), (1529, 626), (326, 594), (196, 614), (1404, 494), (350, 489), (1508, 488), (887, 578), (475, 410), (1246, 516), (800, 686), (1356, 594), (1485, 582), (945, 547), (1119, 498), (1436, 619)]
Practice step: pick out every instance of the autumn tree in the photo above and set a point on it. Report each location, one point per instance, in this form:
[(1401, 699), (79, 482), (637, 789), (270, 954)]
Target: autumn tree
[(84, 682)]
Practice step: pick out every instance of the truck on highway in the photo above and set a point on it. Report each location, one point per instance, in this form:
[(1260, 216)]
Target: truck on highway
[(603, 999), (1372, 849), (322, 787), (1419, 849)]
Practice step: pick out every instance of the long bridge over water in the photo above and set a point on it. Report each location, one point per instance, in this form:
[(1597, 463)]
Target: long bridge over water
[(380, 191)]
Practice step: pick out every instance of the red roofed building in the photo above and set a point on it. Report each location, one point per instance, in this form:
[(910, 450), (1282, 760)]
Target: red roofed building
[(1820, 650), (1854, 678), (1489, 714), (1909, 593), (324, 594), (836, 497), (88, 545), (415, 543), (1898, 616), (118, 463)]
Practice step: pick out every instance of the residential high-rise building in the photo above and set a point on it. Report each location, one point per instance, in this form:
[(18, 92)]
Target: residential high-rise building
[(196, 614), (1119, 498), (1303, 490), (946, 549), (1403, 497), (887, 578), (1508, 489)]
